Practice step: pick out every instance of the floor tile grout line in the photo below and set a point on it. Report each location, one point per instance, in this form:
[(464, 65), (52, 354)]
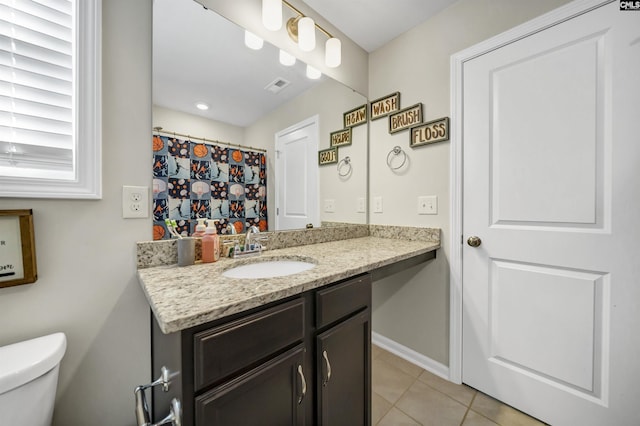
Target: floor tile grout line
[(403, 394), (468, 408)]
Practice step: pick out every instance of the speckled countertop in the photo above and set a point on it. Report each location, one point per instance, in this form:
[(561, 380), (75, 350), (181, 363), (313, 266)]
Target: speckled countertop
[(183, 297)]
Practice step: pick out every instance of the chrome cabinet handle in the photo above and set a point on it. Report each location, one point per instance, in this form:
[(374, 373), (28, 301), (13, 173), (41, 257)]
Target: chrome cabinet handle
[(326, 360), (304, 384)]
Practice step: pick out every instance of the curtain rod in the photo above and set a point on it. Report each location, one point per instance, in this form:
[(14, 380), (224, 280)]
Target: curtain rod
[(208, 141)]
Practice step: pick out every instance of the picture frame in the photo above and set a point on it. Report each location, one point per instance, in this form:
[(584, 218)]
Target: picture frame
[(431, 132), (384, 106), (405, 118), (355, 117), (340, 137), (17, 248), (328, 156)]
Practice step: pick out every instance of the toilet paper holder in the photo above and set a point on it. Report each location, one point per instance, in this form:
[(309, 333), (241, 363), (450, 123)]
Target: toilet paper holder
[(142, 408)]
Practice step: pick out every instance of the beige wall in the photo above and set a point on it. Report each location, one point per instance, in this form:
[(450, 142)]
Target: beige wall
[(87, 285), (196, 126), (412, 308)]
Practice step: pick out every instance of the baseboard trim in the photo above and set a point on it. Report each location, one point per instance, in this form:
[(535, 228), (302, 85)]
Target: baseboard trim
[(410, 355)]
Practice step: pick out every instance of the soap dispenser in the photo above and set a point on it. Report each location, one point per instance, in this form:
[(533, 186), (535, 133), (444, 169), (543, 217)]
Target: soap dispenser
[(200, 228), (210, 243)]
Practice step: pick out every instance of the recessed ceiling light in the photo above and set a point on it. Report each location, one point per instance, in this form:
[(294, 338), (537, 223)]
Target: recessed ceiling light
[(202, 106)]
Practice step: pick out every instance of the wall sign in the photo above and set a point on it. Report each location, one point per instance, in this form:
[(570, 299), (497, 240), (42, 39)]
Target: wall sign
[(17, 248), (405, 118), (431, 132), (355, 117), (385, 106), (328, 156), (340, 137)]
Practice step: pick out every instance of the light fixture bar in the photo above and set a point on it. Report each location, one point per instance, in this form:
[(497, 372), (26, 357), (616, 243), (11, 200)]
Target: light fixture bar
[(290, 6)]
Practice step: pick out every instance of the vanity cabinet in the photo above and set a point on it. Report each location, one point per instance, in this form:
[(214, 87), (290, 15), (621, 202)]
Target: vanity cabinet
[(305, 360)]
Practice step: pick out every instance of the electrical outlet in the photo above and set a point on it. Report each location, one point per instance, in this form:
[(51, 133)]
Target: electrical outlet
[(135, 202), (362, 205), (428, 204), (329, 206), (377, 204)]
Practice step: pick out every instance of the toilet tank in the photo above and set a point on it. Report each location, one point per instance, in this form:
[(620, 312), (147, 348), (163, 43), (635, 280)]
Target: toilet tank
[(28, 380)]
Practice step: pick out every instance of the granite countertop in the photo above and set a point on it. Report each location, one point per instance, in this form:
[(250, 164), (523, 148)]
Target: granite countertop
[(183, 297)]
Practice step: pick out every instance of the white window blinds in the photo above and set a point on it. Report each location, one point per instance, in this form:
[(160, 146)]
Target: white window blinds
[(50, 98), (37, 48)]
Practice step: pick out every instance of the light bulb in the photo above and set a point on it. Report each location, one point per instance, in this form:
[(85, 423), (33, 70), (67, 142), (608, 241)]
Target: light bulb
[(272, 14), (333, 53), (252, 41), (306, 34), (313, 73), (286, 58), (202, 106)]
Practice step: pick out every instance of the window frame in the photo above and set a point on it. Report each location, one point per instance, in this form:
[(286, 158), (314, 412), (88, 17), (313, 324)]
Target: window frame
[(87, 120)]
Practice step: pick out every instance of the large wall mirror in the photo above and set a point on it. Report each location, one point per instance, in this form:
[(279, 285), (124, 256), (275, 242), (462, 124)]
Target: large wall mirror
[(255, 101)]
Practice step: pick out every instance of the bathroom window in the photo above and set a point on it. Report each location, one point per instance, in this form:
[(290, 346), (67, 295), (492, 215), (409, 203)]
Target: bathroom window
[(50, 114)]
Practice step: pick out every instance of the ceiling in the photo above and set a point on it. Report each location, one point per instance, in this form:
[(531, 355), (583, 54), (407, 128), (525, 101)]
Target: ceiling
[(199, 56), (373, 23)]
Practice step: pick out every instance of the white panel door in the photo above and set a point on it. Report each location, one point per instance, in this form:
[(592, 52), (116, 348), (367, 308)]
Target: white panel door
[(551, 186), (297, 176)]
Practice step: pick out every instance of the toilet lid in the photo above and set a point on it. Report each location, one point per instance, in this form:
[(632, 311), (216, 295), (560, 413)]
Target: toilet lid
[(24, 361)]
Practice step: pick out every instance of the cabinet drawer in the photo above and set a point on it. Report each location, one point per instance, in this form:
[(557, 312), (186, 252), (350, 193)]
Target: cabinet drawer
[(231, 347), (341, 300)]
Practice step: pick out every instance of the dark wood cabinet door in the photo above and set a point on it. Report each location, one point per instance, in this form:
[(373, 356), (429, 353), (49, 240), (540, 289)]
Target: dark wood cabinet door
[(271, 394), (343, 355)]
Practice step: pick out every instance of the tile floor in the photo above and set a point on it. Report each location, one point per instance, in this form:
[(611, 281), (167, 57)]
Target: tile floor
[(405, 394)]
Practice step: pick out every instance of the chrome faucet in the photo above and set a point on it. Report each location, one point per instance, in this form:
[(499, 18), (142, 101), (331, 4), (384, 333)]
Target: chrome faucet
[(247, 238)]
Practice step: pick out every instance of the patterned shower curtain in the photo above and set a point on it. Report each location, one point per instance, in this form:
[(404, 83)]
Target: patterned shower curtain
[(192, 180)]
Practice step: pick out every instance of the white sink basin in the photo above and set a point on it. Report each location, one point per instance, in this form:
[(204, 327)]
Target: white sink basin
[(265, 268)]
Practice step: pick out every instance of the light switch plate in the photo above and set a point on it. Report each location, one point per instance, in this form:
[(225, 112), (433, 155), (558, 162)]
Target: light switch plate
[(377, 204), (329, 206), (428, 204), (135, 202)]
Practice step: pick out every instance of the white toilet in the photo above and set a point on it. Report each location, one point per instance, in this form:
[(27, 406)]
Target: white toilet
[(28, 380)]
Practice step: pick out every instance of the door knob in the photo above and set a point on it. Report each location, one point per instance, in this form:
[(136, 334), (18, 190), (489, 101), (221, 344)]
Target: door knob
[(474, 241)]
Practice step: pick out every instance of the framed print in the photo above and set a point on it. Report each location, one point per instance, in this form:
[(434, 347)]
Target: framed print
[(385, 106), (328, 156), (405, 118), (340, 137), (17, 248), (355, 117), (431, 132)]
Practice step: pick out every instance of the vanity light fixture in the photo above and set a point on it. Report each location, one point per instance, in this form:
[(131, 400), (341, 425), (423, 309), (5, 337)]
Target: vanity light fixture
[(313, 73), (252, 41), (202, 106), (333, 52), (302, 30), (306, 34), (287, 59)]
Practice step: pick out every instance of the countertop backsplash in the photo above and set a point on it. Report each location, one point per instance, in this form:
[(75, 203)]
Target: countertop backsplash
[(164, 252)]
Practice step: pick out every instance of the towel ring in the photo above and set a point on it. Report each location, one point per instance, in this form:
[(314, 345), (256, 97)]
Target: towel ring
[(344, 163), (396, 151)]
